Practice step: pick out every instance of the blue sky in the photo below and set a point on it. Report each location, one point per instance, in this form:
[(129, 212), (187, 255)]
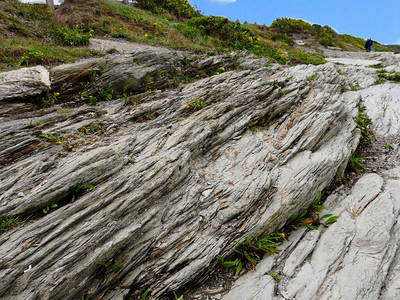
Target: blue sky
[(377, 19)]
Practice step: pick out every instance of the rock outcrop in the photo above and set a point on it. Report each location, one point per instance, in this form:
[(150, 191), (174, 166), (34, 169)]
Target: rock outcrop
[(358, 256), (24, 83), (355, 258), (179, 174)]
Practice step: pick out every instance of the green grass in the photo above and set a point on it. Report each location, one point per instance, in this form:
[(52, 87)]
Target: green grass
[(8, 222), (29, 29)]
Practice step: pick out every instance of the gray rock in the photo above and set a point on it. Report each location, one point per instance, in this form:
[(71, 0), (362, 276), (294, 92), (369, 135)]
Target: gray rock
[(23, 83), (260, 150)]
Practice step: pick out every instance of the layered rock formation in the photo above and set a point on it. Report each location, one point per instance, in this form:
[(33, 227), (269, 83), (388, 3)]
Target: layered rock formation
[(358, 256), (179, 173)]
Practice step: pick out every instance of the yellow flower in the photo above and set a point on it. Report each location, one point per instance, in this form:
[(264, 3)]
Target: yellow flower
[(57, 94), (77, 25), (146, 35), (250, 38), (65, 20), (223, 69), (258, 39)]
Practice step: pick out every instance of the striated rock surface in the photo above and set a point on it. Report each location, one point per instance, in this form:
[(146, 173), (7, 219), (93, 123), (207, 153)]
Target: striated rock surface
[(358, 256), (179, 175), (355, 258), (23, 83)]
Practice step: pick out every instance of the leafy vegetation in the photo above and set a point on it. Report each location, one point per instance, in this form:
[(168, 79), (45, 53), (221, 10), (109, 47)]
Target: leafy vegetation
[(384, 75), (363, 123), (311, 217), (8, 222), (32, 34), (356, 164), (251, 250)]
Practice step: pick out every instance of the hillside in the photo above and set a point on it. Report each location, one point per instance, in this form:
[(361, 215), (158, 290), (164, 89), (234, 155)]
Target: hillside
[(32, 34)]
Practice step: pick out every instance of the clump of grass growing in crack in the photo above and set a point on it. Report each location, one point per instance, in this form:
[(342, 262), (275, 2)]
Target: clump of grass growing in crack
[(49, 207), (8, 222), (356, 163), (311, 217), (196, 104), (80, 189), (364, 122), (252, 125), (274, 275), (251, 250)]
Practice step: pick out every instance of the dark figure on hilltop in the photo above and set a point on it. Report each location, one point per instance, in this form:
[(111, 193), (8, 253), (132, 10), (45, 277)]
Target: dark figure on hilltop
[(368, 45)]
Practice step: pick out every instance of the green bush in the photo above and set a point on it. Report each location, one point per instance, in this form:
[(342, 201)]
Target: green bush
[(180, 8), (325, 35), (302, 57), (283, 38), (231, 34), (31, 57), (74, 36)]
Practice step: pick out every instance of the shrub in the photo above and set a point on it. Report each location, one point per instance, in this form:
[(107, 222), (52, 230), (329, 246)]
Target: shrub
[(74, 36), (180, 8), (283, 38), (307, 58), (31, 57)]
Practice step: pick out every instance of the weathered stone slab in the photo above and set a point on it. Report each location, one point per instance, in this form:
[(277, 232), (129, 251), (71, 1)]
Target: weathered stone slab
[(23, 83)]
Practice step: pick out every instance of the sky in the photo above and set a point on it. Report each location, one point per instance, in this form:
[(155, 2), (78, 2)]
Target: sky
[(376, 19)]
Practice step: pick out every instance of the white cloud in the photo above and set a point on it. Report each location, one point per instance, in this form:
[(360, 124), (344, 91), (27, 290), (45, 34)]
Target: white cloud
[(224, 1)]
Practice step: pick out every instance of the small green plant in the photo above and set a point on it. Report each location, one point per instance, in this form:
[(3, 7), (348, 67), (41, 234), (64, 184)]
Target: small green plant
[(59, 141), (144, 295), (252, 125), (388, 146), (106, 94), (218, 71), (51, 99), (311, 78), (355, 87), (8, 222), (92, 129), (385, 75), (311, 217), (110, 268), (178, 298), (196, 104), (249, 252), (274, 275), (80, 189), (49, 207), (92, 100), (32, 124), (131, 160), (75, 36), (31, 57), (363, 123), (356, 163)]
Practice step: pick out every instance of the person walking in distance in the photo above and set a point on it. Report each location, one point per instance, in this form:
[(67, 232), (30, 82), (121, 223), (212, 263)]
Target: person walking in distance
[(368, 45)]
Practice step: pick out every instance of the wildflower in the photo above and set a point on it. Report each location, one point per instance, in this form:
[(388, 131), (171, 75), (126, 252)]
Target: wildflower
[(77, 26), (146, 35), (65, 20), (57, 94), (223, 69), (250, 38)]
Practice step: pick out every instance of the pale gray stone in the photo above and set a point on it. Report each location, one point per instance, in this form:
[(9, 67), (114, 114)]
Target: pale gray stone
[(23, 83)]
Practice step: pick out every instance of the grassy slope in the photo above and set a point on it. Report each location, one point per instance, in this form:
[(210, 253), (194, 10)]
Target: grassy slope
[(33, 27)]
